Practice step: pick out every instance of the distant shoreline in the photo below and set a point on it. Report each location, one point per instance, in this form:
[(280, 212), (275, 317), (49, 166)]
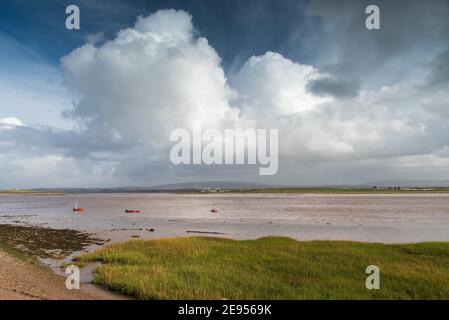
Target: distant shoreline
[(32, 193), (392, 190)]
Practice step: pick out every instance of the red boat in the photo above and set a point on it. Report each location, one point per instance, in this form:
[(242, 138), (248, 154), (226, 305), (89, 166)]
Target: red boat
[(76, 209), (132, 211)]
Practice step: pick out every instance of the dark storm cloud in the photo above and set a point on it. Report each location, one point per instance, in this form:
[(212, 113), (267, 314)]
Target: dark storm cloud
[(330, 86), (439, 74), (411, 33)]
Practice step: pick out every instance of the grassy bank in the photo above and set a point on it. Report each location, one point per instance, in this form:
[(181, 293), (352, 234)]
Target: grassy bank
[(271, 268), (350, 190), (331, 191)]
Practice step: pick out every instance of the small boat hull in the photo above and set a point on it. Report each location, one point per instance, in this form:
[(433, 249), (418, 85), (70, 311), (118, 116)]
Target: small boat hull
[(132, 211)]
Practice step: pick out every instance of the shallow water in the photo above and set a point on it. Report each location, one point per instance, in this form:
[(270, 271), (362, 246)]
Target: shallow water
[(362, 217)]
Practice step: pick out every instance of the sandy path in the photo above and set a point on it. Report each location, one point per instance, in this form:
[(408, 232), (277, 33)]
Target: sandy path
[(25, 280)]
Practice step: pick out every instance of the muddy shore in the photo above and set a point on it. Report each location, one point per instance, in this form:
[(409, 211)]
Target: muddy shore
[(22, 276)]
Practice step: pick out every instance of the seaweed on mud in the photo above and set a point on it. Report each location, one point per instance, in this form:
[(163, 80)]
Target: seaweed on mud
[(45, 242)]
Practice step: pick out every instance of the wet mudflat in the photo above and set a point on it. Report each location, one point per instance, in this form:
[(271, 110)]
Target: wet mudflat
[(45, 242), (387, 218)]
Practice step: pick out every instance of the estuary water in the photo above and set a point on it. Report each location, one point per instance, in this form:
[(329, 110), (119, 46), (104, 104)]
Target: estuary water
[(387, 218)]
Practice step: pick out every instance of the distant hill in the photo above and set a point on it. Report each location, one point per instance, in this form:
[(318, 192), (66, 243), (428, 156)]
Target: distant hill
[(160, 188), (211, 185), (408, 183), (236, 185)]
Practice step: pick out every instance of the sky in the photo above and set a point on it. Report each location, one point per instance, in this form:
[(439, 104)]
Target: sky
[(95, 107)]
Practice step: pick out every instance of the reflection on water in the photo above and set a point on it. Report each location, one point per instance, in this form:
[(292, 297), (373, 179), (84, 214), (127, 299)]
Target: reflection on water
[(380, 218)]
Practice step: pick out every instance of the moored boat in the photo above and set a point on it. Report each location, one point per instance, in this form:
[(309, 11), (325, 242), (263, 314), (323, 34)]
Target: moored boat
[(79, 210)]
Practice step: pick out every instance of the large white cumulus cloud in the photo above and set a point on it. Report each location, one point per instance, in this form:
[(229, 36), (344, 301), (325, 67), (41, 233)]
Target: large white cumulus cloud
[(149, 80), (158, 76), (274, 91), (274, 85)]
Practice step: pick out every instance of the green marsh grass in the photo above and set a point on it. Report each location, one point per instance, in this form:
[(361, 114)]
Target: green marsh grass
[(270, 268)]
